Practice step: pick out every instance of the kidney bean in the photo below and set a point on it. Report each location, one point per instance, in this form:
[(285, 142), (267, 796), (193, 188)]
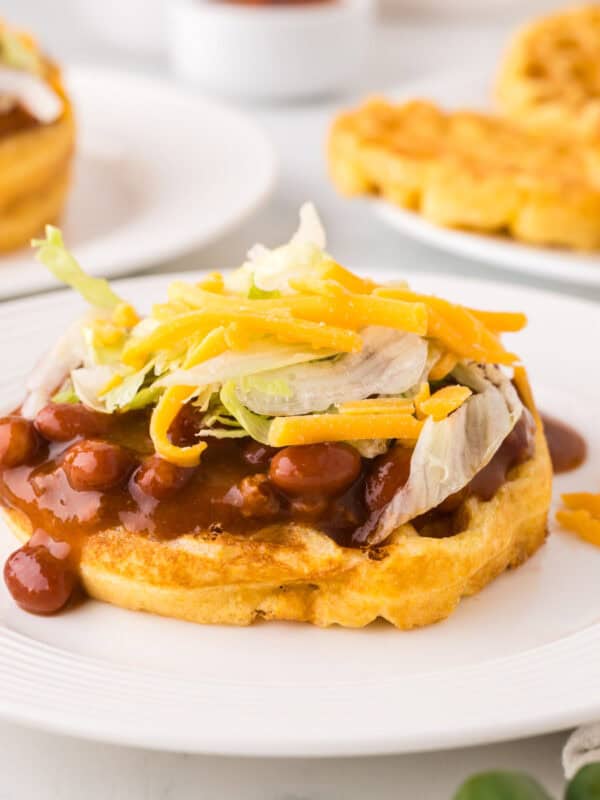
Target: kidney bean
[(324, 469), (161, 479), (59, 422), (258, 500), (38, 581), (18, 441), (94, 465), (258, 455), (389, 472)]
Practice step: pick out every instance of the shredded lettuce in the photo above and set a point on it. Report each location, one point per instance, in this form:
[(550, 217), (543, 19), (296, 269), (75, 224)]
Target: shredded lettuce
[(254, 293), (126, 392), (255, 425), (238, 363), (451, 452), (66, 395), (391, 362), (272, 387), (270, 270), (53, 254)]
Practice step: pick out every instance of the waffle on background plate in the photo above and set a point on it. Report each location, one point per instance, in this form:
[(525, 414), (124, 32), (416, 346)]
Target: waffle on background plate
[(520, 171), (550, 75), (470, 170), (36, 152)]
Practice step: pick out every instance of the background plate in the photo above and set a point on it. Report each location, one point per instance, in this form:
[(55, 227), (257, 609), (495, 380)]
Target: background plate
[(520, 658), (466, 90), (159, 172)]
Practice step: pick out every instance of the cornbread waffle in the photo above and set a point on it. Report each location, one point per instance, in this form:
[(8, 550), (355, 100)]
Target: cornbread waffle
[(470, 170), (289, 441), (550, 75), (295, 572)]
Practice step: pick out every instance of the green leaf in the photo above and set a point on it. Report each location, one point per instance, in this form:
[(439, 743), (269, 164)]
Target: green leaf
[(66, 395), (52, 253), (256, 426), (497, 785), (585, 785), (254, 293)]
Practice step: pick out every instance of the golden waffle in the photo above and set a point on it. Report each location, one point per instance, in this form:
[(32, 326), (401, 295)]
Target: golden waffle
[(293, 572), (35, 170), (550, 76), (470, 170)]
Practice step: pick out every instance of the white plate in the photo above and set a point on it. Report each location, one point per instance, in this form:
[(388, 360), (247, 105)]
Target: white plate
[(465, 90), (520, 658), (159, 171)]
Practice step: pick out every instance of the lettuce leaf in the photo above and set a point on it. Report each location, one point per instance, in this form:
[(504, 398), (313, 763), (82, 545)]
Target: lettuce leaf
[(451, 452), (391, 362), (52, 253), (255, 426), (236, 364)]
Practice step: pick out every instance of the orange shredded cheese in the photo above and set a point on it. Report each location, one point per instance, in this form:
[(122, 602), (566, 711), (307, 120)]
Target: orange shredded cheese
[(125, 316), (378, 405), (175, 397), (163, 416), (443, 366), (213, 282), (285, 328), (340, 308), (443, 402), (457, 328), (581, 515), (314, 428), (521, 381), (332, 271)]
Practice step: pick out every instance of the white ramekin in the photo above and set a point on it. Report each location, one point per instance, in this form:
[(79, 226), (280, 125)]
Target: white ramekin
[(270, 52)]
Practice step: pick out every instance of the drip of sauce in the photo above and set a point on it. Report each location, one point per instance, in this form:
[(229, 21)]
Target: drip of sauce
[(568, 448)]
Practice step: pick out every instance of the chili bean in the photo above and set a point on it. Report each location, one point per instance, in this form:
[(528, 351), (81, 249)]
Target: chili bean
[(161, 479), (258, 455), (324, 469), (38, 582), (59, 422), (94, 465), (388, 473), (18, 441), (258, 499)]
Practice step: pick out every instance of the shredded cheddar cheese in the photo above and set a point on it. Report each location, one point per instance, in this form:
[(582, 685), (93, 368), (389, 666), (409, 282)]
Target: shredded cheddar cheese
[(314, 428), (443, 366), (378, 405), (443, 402), (581, 515)]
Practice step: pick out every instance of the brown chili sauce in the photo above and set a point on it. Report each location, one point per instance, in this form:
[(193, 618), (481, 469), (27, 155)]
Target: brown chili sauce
[(73, 473)]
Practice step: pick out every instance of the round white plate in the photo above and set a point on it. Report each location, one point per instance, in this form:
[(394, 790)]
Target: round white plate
[(159, 172), (520, 658), (466, 90)]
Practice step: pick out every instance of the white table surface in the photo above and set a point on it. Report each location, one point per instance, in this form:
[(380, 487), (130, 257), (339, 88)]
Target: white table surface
[(38, 765)]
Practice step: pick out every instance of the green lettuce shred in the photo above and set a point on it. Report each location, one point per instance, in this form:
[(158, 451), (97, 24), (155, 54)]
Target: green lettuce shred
[(255, 426), (53, 254)]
